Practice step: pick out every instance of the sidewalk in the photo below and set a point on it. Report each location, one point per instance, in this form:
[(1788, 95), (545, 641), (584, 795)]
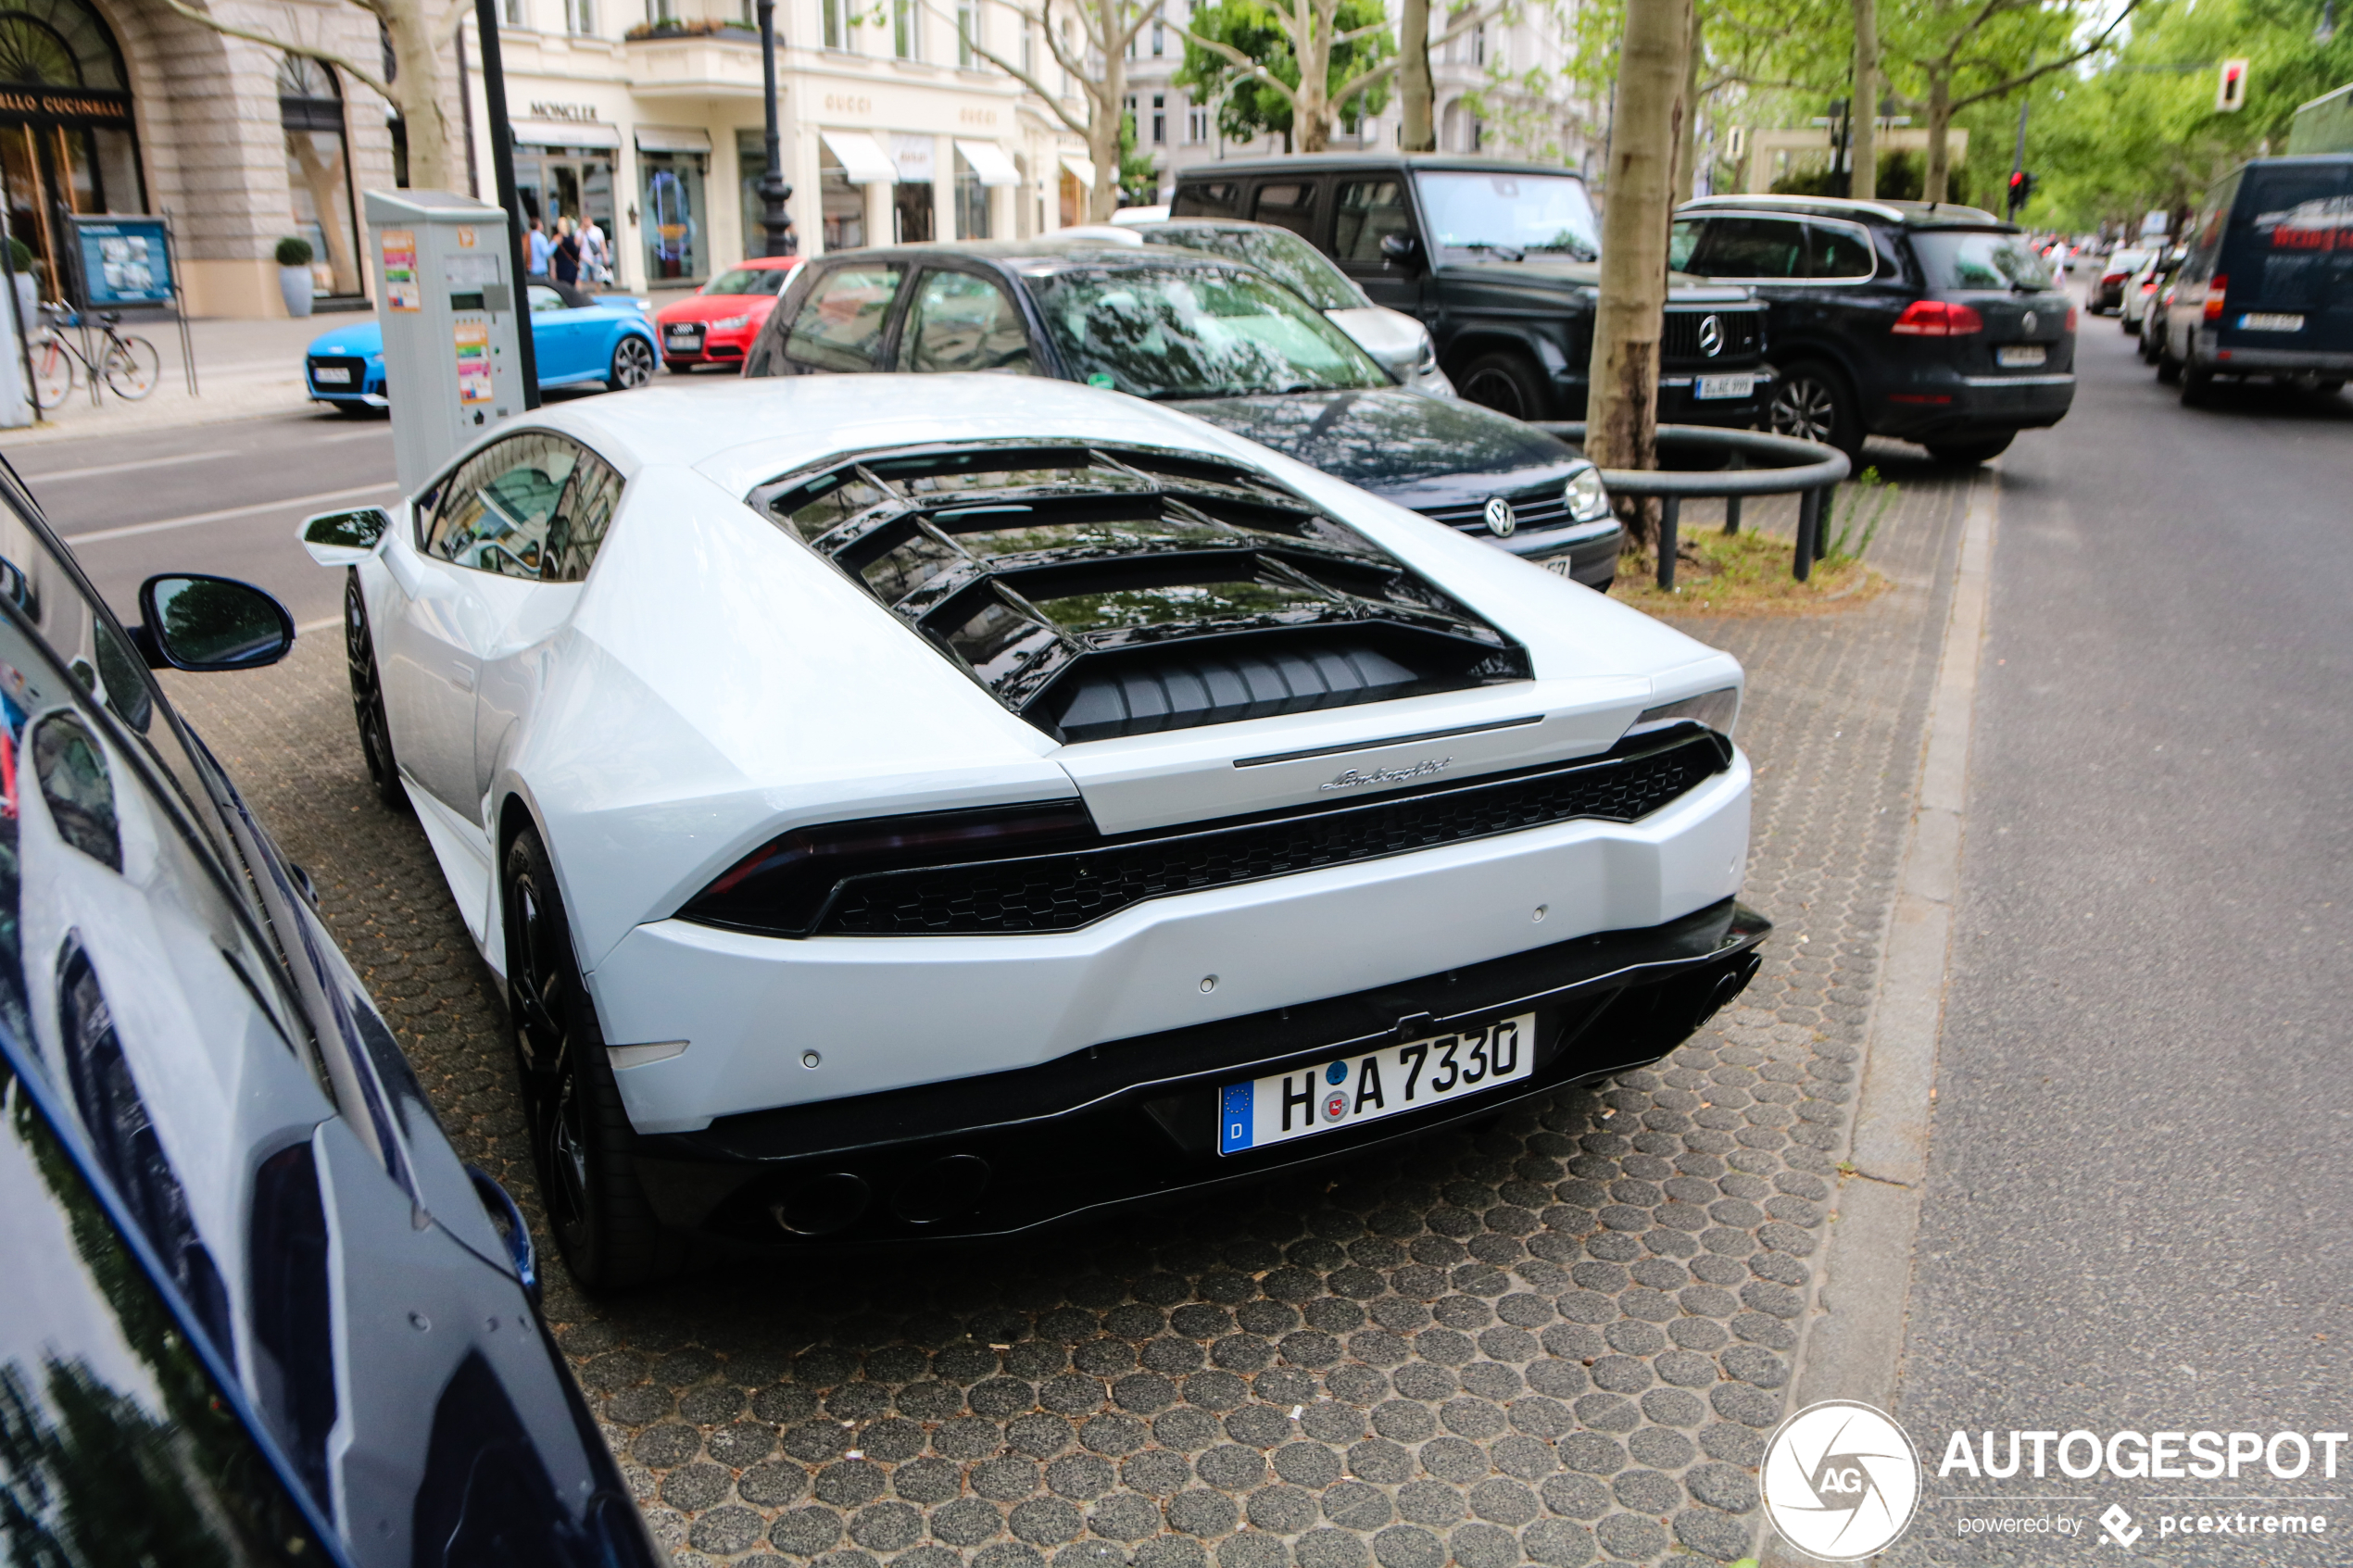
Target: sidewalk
[(244, 369)]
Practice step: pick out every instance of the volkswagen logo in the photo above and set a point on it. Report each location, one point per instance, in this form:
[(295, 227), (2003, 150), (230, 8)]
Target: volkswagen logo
[(2027, 321), (1500, 519), (1711, 336)]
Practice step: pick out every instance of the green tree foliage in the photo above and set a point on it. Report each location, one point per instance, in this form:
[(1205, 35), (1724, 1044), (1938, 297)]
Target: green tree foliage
[(1138, 181), (2143, 132), (1252, 108)]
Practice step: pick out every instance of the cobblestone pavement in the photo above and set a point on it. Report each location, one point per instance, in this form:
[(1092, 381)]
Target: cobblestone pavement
[(1559, 1339)]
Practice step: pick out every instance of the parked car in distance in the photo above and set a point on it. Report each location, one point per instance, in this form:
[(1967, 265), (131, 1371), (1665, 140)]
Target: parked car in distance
[(1399, 342), (716, 323), (2267, 286), (1498, 260), (1930, 324), (2157, 270), (2108, 292), (1219, 339), (1089, 806), (609, 341), (258, 1311)]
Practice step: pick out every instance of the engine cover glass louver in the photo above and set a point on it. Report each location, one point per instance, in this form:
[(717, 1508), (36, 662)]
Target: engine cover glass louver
[(991, 880), (1102, 591)]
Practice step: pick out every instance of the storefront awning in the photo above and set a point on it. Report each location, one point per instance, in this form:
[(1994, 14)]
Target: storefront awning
[(988, 161), (566, 133), (862, 158), (1084, 169), (671, 139)]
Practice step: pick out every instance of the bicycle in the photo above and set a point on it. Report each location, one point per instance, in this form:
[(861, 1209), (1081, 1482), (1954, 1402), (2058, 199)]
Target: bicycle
[(128, 365)]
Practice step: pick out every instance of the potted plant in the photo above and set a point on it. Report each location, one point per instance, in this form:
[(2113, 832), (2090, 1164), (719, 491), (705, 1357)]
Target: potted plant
[(294, 274)]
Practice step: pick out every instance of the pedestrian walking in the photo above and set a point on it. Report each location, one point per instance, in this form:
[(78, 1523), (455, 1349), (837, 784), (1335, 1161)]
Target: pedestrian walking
[(594, 255), (540, 250), (566, 257)]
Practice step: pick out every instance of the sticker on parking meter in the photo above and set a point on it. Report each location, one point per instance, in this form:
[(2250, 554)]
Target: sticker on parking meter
[(473, 362), (402, 291)]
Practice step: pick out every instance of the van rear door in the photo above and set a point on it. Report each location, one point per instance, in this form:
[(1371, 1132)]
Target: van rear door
[(2288, 257)]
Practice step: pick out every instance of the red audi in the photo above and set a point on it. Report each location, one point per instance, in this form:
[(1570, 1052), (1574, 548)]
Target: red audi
[(714, 324)]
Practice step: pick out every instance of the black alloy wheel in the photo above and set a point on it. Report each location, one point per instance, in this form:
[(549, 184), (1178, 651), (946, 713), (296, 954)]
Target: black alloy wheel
[(580, 1140), (1812, 402), (1509, 383), (368, 696), (633, 364)]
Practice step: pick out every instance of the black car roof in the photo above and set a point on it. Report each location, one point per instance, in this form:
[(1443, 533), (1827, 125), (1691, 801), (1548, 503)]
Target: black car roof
[(1324, 162), (1086, 252), (1910, 214)]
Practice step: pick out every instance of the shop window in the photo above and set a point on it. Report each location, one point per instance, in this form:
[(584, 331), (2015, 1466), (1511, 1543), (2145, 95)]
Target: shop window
[(66, 138), (972, 202), (841, 206), (318, 172), (670, 196), (751, 162)]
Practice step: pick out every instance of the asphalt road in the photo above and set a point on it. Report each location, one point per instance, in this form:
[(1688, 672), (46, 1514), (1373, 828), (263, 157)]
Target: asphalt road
[(2143, 1138)]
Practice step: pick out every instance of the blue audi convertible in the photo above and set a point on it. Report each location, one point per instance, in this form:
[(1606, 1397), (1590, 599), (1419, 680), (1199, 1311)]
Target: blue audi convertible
[(609, 342)]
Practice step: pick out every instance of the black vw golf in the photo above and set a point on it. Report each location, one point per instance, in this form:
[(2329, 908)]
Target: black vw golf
[(1216, 338)]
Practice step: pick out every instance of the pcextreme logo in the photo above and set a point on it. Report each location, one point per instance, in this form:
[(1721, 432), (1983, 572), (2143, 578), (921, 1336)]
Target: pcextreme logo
[(1841, 1480)]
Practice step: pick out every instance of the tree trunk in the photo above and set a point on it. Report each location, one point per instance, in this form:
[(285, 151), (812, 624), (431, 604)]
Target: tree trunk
[(1310, 114), (417, 91), (1687, 145), (1417, 92), (1109, 108), (1939, 120), (1864, 113), (1622, 408)]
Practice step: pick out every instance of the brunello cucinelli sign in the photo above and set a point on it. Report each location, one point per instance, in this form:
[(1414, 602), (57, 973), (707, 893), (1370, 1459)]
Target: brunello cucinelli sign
[(77, 105)]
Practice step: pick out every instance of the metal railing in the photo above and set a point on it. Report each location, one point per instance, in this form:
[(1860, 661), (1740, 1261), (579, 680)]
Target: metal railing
[(1805, 469)]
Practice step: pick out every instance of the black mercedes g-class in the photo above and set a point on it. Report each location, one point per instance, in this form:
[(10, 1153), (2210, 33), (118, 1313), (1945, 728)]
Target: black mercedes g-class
[(1499, 260)]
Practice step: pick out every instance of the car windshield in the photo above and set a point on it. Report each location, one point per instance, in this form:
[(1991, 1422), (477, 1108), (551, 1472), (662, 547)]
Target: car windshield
[(1979, 259), (1547, 212), (1279, 253), (1194, 332), (750, 280)]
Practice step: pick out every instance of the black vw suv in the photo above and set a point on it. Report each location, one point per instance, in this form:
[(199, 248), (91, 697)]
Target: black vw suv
[(1925, 321), (1499, 260)]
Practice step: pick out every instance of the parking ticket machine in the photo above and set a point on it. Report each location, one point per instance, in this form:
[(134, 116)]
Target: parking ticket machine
[(451, 311)]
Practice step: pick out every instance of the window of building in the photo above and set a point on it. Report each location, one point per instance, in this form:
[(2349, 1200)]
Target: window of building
[(580, 16), (1478, 45), (1160, 40), (968, 39), (1029, 47), (907, 29), (837, 23), (661, 10), (510, 13), (972, 202), (1160, 119), (318, 173), (1196, 124)]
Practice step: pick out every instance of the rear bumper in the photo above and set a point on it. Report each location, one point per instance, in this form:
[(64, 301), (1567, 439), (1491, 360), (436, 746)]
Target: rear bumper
[(1134, 1120), (1955, 406), (2207, 352)]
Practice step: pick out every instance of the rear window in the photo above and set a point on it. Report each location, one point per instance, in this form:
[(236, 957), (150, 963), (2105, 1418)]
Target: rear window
[(1978, 259), (1208, 199), (2298, 222)]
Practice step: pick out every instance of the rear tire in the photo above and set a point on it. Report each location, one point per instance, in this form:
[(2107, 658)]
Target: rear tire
[(2197, 386), (1969, 454), (1813, 402), (368, 698), (1507, 382), (582, 1144), (2169, 369)]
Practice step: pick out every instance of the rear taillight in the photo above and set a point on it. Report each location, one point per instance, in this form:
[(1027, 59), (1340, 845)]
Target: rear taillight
[(782, 888), (2217, 293), (1934, 318), (2111, 277)]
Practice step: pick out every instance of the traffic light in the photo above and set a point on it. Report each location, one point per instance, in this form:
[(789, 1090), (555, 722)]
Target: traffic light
[(2230, 94), (2021, 189)]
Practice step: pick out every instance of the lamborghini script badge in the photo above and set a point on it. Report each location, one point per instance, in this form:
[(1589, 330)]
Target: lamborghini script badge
[(1355, 778)]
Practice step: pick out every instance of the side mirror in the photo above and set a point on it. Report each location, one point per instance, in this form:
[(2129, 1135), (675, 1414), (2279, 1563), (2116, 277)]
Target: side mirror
[(192, 622), (1401, 250), (346, 538)]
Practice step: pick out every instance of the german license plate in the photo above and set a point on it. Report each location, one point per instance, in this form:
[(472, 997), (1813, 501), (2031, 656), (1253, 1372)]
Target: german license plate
[(2019, 356), (1724, 386), (1367, 1087), (331, 375), (1560, 566), (684, 337), (2258, 322)]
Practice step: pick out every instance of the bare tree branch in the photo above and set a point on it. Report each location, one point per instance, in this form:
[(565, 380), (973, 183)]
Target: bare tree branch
[(1250, 68), (2014, 83), (1006, 66), (325, 56)]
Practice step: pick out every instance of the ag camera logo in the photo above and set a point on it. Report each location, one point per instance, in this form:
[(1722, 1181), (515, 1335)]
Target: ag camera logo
[(1841, 1480)]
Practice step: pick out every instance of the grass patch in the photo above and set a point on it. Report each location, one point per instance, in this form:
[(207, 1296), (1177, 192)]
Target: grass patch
[(1748, 573), (1743, 574)]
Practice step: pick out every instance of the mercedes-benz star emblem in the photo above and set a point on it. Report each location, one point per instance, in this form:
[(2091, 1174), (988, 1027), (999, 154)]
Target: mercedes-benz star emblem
[(2027, 321), (1711, 336), (1500, 519)]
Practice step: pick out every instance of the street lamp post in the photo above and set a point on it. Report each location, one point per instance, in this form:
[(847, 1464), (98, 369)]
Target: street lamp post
[(774, 191)]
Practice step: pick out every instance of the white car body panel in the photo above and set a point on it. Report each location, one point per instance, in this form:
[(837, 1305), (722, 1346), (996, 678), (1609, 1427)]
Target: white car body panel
[(715, 682)]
